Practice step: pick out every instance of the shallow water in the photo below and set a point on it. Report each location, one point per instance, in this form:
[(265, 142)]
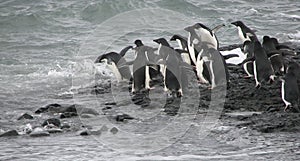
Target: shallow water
[(47, 52)]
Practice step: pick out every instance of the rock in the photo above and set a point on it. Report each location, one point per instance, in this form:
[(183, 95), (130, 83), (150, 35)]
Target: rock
[(38, 132), (57, 108), (53, 121), (104, 128), (114, 130), (84, 132), (9, 133), (110, 103), (122, 117), (25, 116), (68, 115), (45, 109)]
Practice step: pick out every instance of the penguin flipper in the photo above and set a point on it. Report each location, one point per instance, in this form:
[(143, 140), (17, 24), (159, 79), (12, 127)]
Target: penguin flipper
[(124, 50), (215, 29), (247, 59), (230, 56)]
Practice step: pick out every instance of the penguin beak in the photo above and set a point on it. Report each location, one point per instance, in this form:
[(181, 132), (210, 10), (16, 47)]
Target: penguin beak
[(188, 29)]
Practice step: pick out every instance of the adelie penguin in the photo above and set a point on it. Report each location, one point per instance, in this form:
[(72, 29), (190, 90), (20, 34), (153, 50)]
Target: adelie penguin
[(183, 48), (245, 33), (290, 88), (195, 46), (117, 64), (217, 67), (143, 64), (154, 70), (248, 49), (274, 55), (175, 77), (263, 71)]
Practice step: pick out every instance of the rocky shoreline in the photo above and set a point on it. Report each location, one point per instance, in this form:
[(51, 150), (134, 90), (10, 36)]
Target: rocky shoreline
[(245, 107)]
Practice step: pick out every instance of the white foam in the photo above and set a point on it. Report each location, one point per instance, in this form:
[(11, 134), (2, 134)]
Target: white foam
[(235, 60)]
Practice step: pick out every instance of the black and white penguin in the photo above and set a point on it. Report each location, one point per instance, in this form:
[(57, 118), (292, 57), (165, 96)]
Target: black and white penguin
[(141, 68), (117, 63), (195, 48), (248, 49), (217, 67), (274, 55), (205, 35), (245, 33), (263, 71), (290, 93), (174, 69), (182, 43), (154, 70)]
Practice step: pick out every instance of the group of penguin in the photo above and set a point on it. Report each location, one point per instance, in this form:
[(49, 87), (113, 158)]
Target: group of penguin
[(199, 53)]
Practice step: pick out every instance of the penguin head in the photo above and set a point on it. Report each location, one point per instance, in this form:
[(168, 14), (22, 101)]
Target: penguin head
[(138, 43), (266, 38), (162, 41), (189, 29), (200, 25), (176, 37), (238, 23)]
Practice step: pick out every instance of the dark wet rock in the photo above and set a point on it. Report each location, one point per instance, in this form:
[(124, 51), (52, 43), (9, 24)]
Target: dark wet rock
[(25, 116), (276, 122), (9, 133), (39, 132), (101, 89), (141, 98), (110, 103), (114, 130), (53, 121), (67, 111), (123, 117), (84, 132), (68, 115), (57, 108), (172, 106)]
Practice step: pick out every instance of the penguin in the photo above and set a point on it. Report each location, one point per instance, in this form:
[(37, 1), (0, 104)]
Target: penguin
[(248, 49), (263, 70), (274, 55), (290, 93), (141, 73), (117, 64), (245, 33), (195, 45), (182, 42), (154, 70), (217, 67), (205, 35), (175, 77)]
